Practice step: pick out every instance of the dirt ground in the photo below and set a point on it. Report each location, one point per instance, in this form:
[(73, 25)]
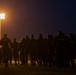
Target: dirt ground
[(35, 70)]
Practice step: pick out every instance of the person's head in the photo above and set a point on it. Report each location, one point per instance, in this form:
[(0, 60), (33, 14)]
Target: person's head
[(40, 36), (14, 39), (27, 37), (50, 36), (32, 36), (5, 35), (59, 33), (71, 36)]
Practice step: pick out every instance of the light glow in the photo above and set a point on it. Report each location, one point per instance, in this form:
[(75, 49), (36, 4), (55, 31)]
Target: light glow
[(2, 16)]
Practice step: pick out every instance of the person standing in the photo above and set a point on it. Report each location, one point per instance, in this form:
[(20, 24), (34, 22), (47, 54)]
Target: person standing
[(33, 51), (15, 47), (6, 46)]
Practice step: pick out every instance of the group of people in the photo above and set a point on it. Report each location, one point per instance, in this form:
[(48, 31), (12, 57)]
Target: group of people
[(59, 50)]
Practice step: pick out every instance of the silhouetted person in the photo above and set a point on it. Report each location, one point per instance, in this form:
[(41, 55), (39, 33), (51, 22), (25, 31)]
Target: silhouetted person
[(50, 49), (22, 51), (6, 43), (67, 52), (33, 51), (27, 51), (15, 46), (59, 42), (45, 53), (1, 58), (72, 49), (40, 49)]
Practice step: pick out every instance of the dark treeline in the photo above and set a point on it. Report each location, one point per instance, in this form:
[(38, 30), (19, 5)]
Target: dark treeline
[(57, 51)]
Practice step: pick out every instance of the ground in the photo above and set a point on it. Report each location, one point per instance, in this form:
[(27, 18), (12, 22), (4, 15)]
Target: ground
[(35, 70)]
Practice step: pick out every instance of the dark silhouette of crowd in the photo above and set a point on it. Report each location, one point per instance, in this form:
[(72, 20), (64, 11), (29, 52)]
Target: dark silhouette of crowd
[(59, 50)]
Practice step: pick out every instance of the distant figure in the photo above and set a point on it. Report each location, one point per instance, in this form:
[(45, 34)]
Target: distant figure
[(67, 51), (59, 44), (1, 58), (6, 43), (40, 49), (15, 46), (22, 51), (33, 51), (27, 42), (50, 50), (45, 52), (72, 49)]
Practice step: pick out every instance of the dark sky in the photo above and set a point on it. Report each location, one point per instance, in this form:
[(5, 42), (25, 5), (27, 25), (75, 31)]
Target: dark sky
[(26, 17)]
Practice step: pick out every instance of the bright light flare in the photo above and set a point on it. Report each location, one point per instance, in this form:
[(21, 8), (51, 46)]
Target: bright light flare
[(2, 15)]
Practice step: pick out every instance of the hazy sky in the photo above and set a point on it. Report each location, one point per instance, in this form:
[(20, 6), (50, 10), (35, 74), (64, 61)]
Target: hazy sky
[(26, 17)]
